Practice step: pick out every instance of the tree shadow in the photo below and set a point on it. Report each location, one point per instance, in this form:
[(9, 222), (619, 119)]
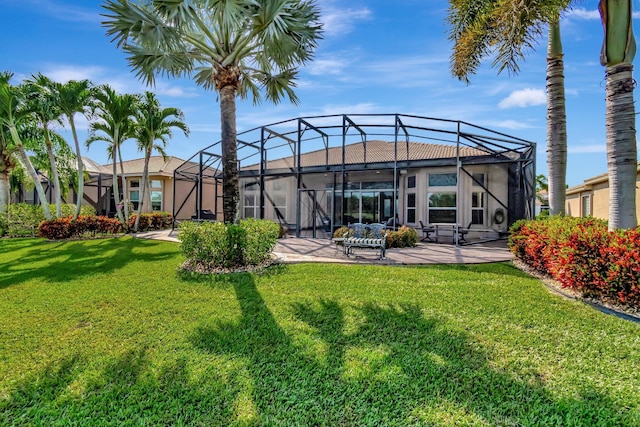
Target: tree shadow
[(59, 262), (129, 390), (396, 368)]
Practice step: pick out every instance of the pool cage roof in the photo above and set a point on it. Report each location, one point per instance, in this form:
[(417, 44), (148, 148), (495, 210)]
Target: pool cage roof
[(359, 142)]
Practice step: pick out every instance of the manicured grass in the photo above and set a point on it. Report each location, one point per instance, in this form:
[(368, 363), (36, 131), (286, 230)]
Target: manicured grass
[(107, 332)]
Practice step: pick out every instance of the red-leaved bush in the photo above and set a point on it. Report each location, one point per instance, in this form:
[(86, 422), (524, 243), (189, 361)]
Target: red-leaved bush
[(84, 226), (582, 254), (151, 221)]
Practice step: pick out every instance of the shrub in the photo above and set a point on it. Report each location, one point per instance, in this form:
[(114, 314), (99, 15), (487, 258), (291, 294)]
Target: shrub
[(261, 237), (582, 254), (84, 226), (405, 237), (151, 221), (228, 246), (23, 220), (3, 223)]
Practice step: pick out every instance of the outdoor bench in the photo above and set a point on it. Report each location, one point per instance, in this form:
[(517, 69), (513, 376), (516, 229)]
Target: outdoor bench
[(365, 236)]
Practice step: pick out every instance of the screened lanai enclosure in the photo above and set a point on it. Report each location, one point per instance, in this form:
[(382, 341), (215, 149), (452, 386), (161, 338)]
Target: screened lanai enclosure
[(315, 174)]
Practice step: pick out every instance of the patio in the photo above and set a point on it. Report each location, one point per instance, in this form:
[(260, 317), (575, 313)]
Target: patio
[(292, 250)]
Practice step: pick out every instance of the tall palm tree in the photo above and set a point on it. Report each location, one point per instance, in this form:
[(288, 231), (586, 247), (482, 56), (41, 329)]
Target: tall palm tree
[(153, 130), (115, 115), (75, 97), (235, 47), (506, 28), (13, 117), (41, 100), (618, 50)]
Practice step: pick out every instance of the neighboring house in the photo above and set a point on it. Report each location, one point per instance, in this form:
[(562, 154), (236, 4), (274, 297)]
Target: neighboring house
[(315, 174), (98, 188), (591, 198)]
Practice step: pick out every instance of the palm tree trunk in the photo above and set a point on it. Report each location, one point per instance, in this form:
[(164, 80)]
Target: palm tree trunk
[(621, 146), (34, 175), (54, 173), (116, 189), (145, 180), (4, 190), (125, 196), (80, 192), (230, 190), (556, 123)]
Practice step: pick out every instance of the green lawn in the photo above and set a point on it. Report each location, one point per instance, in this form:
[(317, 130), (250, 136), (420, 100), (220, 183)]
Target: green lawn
[(106, 332)]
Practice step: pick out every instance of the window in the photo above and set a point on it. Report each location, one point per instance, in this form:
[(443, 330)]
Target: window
[(411, 181), (441, 208), (134, 193), (251, 208), (478, 207), (586, 205), (443, 179), (156, 195), (479, 180), (411, 208)]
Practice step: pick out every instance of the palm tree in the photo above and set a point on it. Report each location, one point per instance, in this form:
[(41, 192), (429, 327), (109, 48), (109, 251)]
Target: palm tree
[(479, 28), (115, 125), (75, 97), (41, 101), (13, 117), (235, 47), (8, 164), (618, 50), (153, 129)]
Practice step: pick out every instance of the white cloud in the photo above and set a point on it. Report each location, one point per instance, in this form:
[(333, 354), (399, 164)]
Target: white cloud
[(339, 21), (582, 13), (327, 66), (524, 98)]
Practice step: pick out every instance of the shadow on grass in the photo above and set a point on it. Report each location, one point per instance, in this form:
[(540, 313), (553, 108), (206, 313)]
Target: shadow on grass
[(398, 367), (393, 367), (127, 391), (56, 262)]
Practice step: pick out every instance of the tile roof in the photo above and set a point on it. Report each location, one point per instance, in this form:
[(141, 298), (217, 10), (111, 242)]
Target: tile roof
[(157, 166), (376, 151)]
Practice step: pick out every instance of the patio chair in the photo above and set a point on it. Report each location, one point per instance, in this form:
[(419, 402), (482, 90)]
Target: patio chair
[(462, 233), (426, 232)]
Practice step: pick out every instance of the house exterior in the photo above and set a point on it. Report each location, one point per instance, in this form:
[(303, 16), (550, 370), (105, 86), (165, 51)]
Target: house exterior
[(316, 174), (98, 188), (591, 198)]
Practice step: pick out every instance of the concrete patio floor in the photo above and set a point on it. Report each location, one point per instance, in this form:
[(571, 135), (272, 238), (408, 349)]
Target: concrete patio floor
[(292, 250)]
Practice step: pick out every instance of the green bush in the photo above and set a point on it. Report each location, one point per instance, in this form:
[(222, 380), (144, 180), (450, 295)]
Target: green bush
[(261, 237), (23, 220), (3, 223), (217, 245), (405, 237)]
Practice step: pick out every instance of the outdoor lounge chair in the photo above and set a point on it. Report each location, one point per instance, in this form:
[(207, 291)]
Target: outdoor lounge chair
[(426, 232)]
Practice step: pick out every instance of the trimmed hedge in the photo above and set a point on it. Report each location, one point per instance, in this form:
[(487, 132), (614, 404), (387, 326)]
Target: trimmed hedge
[(151, 221), (84, 226), (583, 255), (218, 245)]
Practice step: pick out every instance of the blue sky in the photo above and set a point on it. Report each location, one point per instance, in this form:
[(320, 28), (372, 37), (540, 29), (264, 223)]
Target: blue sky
[(377, 56)]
